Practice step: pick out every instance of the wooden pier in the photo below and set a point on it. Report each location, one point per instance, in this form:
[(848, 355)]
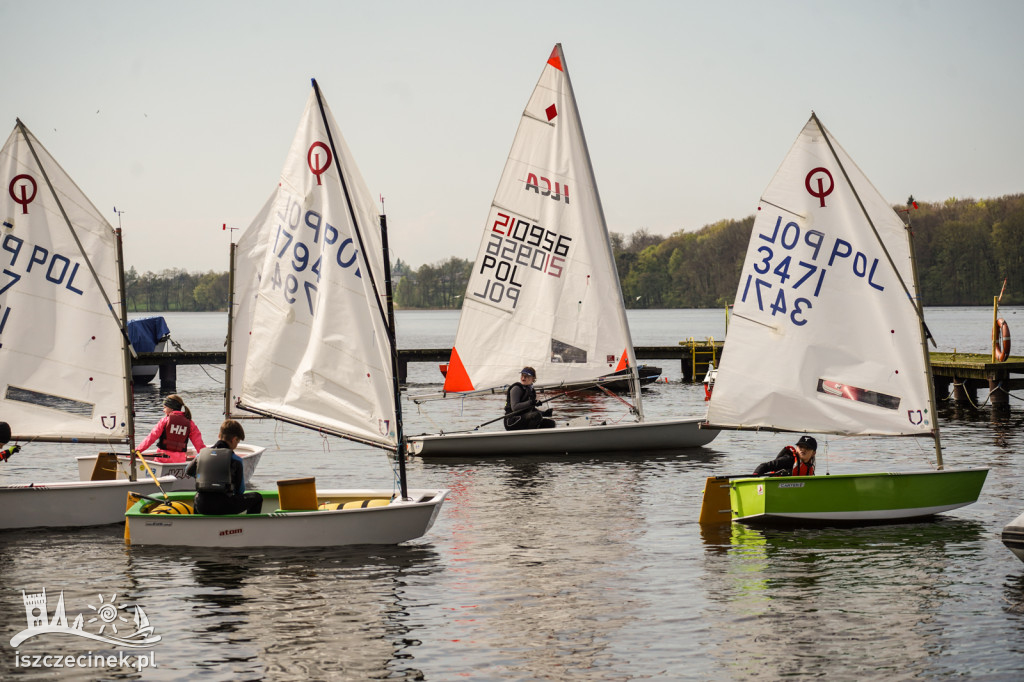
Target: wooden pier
[(692, 356), (960, 375)]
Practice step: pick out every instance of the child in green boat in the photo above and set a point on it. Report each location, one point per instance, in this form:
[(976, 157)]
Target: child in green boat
[(219, 474), (792, 460)]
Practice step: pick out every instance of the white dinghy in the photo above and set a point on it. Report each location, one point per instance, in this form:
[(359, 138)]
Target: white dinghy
[(545, 293), (64, 355), (250, 455), (1013, 536), (320, 354)]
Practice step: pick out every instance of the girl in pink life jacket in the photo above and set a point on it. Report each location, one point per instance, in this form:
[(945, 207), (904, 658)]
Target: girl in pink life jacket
[(173, 432)]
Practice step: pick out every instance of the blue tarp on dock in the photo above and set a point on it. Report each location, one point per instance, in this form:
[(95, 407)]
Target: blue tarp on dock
[(146, 332)]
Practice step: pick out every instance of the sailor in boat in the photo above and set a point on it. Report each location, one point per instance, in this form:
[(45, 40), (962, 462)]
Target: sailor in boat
[(521, 405), (795, 460), (219, 474), (5, 438), (173, 432)]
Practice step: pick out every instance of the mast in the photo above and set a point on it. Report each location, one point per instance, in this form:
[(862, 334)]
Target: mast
[(125, 352), (231, 318), (634, 375), (396, 389), (919, 306)]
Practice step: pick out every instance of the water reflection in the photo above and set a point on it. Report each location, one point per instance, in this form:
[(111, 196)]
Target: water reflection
[(789, 601), (533, 582), (299, 614)]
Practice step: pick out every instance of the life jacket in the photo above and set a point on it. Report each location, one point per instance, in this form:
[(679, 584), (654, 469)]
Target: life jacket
[(213, 472), (175, 435), (531, 395), (799, 468)]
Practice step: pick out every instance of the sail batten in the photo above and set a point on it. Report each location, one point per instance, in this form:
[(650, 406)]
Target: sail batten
[(824, 294)]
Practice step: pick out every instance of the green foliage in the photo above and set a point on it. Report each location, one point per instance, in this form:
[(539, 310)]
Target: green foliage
[(965, 248), (432, 286)]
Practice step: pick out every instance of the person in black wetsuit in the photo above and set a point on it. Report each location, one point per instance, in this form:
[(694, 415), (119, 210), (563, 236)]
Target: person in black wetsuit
[(795, 460), (521, 405), (220, 478)]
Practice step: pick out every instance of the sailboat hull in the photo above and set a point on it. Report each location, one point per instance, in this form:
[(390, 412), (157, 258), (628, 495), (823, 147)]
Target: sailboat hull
[(391, 524), (250, 455), (570, 440), (71, 503), (853, 498), (1013, 536)]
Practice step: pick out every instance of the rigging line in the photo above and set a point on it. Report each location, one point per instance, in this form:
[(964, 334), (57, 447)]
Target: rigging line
[(348, 202), (749, 319), (783, 208), (617, 397), (867, 216), (74, 234)]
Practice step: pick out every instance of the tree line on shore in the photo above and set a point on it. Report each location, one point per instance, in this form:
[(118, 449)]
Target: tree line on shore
[(965, 249)]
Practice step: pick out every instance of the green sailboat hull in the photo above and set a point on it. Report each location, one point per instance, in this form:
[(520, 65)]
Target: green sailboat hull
[(853, 498)]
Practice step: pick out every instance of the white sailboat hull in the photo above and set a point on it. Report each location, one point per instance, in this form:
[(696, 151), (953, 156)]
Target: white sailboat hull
[(387, 525), (250, 455), (143, 374), (636, 437), (1013, 536), (70, 503)]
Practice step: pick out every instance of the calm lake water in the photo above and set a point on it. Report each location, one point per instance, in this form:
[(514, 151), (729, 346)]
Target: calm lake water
[(541, 568)]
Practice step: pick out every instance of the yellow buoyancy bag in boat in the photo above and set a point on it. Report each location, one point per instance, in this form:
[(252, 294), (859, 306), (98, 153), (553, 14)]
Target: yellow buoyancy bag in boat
[(355, 504), (171, 507)]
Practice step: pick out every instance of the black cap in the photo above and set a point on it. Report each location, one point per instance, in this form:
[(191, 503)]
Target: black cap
[(807, 442), (528, 371)]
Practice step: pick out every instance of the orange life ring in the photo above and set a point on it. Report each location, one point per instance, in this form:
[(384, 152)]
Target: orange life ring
[(1001, 340)]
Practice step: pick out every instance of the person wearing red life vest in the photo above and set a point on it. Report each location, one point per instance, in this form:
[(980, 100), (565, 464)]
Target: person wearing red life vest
[(173, 432), (792, 460)]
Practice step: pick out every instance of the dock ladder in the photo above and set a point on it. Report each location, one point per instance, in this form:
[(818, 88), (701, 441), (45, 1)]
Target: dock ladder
[(701, 353)]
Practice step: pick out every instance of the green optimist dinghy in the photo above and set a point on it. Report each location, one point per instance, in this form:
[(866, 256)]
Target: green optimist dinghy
[(827, 336)]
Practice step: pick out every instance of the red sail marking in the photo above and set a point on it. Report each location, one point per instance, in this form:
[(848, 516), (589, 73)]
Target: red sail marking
[(554, 60), (457, 379)]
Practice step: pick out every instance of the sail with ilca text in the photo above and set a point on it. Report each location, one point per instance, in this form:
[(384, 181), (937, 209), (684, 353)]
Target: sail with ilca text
[(63, 364), (825, 335), (544, 290), (318, 355)]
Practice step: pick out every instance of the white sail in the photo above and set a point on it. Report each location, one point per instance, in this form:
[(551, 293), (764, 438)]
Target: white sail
[(249, 255), (62, 359), (544, 290), (319, 354), (824, 336)]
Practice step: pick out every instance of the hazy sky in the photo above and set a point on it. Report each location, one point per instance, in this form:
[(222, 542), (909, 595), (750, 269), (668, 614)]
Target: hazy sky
[(180, 113)]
